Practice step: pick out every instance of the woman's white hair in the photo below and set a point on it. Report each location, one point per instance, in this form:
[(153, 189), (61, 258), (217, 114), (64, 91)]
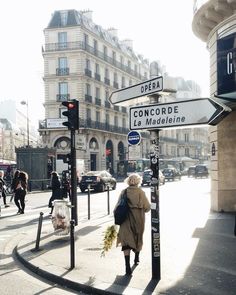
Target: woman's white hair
[(133, 179)]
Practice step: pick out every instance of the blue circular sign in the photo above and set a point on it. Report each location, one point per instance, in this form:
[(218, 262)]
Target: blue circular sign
[(134, 137)]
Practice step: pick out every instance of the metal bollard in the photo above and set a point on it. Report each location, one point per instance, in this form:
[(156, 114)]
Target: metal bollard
[(88, 201), (108, 200), (39, 231), (72, 244)]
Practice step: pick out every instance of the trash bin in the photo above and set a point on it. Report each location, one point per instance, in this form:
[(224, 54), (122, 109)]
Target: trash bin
[(61, 217)]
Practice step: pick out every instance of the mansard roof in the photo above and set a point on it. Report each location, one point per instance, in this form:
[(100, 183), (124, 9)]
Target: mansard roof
[(77, 18)]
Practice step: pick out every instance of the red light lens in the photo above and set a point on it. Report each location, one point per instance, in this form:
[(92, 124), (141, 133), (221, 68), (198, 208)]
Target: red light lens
[(71, 106)]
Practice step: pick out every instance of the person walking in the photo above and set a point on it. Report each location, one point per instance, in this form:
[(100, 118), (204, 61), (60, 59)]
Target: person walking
[(21, 184), (14, 183), (56, 189), (130, 234), (3, 188)]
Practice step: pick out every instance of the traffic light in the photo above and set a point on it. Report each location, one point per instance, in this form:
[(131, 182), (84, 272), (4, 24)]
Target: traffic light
[(67, 159), (72, 114)]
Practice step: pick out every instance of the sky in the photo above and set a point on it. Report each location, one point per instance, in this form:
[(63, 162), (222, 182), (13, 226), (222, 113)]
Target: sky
[(160, 30)]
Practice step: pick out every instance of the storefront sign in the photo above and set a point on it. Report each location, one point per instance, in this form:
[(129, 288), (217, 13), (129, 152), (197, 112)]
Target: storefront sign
[(226, 67)]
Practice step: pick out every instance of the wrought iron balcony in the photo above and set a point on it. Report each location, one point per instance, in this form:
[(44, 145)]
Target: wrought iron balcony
[(62, 71), (107, 104), (63, 97), (97, 77), (116, 85), (88, 123), (107, 81), (88, 98), (88, 72), (79, 45), (97, 101)]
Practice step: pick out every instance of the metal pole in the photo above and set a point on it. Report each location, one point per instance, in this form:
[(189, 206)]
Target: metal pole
[(73, 179), (39, 231), (27, 123), (72, 244), (108, 199), (88, 201)]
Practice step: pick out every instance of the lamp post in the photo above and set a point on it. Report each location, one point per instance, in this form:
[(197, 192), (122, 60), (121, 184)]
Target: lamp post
[(23, 102)]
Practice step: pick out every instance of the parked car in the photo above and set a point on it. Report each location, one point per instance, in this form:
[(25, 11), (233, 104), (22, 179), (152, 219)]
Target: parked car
[(98, 180), (147, 177), (201, 170), (171, 174), (191, 171)]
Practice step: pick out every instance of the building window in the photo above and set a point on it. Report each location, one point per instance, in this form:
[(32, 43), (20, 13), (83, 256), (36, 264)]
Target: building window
[(135, 69), (107, 73), (63, 91), (95, 46), (123, 122), (129, 64), (106, 94), (88, 64), (130, 82), (64, 15), (97, 69), (121, 60), (86, 40), (105, 52), (62, 40), (97, 95), (116, 121), (123, 82), (88, 89), (107, 119), (98, 117), (62, 67), (88, 114), (186, 137)]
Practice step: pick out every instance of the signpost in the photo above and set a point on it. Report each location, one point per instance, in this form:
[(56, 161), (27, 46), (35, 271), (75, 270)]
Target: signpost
[(138, 90), (178, 114), (157, 116)]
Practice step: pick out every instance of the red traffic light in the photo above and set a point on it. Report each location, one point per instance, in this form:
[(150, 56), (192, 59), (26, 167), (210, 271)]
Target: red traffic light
[(71, 105), (72, 114)]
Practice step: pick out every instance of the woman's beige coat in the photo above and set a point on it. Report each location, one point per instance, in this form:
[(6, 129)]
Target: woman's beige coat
[(131, 231)]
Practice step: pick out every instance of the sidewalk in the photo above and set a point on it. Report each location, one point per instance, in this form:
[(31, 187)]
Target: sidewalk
[(194, 260)]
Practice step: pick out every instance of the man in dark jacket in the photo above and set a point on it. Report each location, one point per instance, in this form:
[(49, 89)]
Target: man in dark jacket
[(3, 189)]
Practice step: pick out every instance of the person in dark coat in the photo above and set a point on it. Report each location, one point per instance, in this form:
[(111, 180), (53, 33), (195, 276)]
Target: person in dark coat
[(3, 189), (56, 189), (20, 191), (14, 183)]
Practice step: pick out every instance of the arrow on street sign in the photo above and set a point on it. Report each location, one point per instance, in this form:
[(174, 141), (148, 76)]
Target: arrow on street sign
[(138, 90), (178, 114)]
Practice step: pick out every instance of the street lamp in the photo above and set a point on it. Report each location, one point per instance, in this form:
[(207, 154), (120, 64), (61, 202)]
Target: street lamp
[(23, 102)]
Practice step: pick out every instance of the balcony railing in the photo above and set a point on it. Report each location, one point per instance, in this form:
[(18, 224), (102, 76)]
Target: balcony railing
[(116, 108), (116, 85), (88, 72), (62, 71), (97, 77), (88, 123), (88, 98), (63, 97), (79, 45), (107, 81), (107, 105), (98, 101)]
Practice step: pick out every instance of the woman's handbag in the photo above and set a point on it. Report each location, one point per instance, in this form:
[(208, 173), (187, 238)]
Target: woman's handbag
[(122, 209)]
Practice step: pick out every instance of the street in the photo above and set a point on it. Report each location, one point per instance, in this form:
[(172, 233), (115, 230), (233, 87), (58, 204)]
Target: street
[(184, 207)]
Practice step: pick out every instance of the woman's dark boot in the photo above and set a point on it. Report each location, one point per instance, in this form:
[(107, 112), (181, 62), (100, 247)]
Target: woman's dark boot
[(136, 258), (128, 270)]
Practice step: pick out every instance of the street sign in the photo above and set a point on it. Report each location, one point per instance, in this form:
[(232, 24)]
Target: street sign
[(178, 114), (133, 137), (138, 90)]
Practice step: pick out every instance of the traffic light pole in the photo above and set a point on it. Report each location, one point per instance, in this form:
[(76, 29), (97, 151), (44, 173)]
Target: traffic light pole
[(73, 179)]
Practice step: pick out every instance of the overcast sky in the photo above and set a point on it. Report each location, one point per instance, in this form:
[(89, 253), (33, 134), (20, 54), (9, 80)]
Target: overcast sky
[(160, 30)]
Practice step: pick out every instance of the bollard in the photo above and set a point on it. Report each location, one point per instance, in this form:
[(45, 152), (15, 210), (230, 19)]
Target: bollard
[(72, 244), (88, 201), (39, 231), (108, 199)]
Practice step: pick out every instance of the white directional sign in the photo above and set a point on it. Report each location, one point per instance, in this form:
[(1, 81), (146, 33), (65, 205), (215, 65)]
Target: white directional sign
[(137, 90), (182, 113)]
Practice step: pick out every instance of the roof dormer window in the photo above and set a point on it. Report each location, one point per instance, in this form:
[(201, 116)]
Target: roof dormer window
[(64, 16)]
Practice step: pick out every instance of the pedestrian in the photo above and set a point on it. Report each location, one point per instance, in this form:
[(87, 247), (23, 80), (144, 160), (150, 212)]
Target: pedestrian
[(14, 184), (130, 234), (56, 189), (3, 193), (20, 191)]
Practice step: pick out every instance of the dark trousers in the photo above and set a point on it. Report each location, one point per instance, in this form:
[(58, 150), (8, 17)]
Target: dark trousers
[(20, 199), (4, 196)]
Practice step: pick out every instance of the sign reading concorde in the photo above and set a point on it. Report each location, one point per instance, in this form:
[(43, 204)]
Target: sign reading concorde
[(138, 90), (182, 113)]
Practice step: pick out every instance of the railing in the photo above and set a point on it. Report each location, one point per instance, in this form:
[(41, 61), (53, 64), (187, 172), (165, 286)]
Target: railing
[(88, 72), (107, 105), (79, 45), (62, 71), (98, 101), (107, 81), (97, 77), (88, 98), (63, 97), (116, 108)]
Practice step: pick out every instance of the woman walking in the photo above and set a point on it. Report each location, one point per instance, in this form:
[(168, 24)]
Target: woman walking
[(130, 234), (21, 183)]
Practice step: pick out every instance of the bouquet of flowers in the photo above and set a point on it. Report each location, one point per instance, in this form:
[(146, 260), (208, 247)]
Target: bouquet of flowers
[(109, 237)]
